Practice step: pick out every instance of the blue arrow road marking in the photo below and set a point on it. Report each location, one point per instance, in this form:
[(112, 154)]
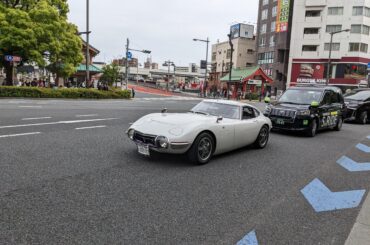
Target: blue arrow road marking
[(322, 199), (249, 239), (353, 166), (368, 137), (363, 148)]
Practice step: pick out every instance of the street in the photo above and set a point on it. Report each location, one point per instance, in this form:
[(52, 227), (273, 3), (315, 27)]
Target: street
[(70, 175)]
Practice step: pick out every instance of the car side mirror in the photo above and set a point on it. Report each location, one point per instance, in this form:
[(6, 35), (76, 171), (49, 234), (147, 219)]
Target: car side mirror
[(164, 110), (315, 104), (267, 100), (219, 119)]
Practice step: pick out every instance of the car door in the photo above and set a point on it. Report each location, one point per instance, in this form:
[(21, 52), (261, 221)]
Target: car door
[(330, 110), (247, 129)]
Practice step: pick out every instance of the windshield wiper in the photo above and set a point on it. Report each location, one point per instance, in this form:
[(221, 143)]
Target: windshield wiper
[(199, 112), (292, 103)]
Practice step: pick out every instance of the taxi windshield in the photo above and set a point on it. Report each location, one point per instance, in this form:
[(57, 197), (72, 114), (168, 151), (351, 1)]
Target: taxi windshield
[(300, 97), (217, 109)]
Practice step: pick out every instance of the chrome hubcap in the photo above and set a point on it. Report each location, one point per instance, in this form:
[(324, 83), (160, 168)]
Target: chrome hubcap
[(263, 136), (204, 148)]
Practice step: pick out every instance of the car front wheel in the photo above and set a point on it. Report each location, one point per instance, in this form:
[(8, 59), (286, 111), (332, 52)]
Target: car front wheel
[(263, 138), (202, 149)]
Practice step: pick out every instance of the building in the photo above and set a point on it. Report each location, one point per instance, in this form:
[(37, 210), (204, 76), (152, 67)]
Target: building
[(244, 52), (273, 39), (314, 21), (193, 68), (149, 64), (122, 62)]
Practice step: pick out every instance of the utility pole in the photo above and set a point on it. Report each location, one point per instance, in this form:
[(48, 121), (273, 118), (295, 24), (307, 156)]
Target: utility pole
[(87, 43), (231, 64), (126, 73)]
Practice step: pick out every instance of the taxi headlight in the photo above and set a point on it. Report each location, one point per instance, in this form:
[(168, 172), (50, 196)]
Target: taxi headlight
[(130, 133), (304, 113), (162, 141)]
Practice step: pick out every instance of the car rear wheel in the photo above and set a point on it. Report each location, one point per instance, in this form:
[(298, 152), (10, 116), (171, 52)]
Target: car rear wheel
[(339, 125), (363, 118), (313, 129), (202, 149), (263, 138)]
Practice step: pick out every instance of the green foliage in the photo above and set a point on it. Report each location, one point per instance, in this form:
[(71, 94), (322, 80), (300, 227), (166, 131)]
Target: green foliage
[(110, 74), (33, 92), (33, 28)]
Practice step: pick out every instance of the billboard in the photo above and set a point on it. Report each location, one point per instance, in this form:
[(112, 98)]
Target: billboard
[(308, 73), (242, 30), (282, 18), (235, 31)]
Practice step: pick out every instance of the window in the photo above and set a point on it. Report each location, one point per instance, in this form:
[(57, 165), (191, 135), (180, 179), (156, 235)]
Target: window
[(333, 28), (358, 47), (313, 13), (262, 42), (265, 13), (266, 58), (248, 113), (355, 28), (228, 55), (311, 30), (335, 11), (272, 41), (309, 48), (214, 54), (273, 26), (360, 29), (361, 11), (334, 99), (327, 99), (334, 46), (265, 2), (274, 11), (250, 51), (263, 29)]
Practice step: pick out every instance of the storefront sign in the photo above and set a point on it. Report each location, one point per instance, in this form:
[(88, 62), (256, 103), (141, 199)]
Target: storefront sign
[(283, 16), (255, 82)]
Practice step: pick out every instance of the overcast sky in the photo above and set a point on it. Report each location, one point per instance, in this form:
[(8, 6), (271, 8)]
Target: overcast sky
[(166, 27)]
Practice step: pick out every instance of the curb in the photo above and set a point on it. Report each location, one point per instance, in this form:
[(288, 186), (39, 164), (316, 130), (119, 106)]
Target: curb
[(360, 233)]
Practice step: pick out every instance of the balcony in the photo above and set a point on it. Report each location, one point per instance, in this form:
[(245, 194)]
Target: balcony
[(315, 3)]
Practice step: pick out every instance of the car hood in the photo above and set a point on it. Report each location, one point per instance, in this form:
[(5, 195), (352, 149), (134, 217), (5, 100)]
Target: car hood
[(290, 106), (171, 124), (352, 103)]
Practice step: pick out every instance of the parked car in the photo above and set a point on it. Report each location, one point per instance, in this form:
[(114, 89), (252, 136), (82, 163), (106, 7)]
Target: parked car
[(358, 105), (308, 109), (212, 127)]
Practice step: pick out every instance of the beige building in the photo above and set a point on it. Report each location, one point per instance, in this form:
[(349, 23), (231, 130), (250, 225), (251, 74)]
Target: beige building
[(244, 56)]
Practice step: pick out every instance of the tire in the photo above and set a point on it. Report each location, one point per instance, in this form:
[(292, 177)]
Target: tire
[(339, 125), (313, 129), (363, 118), (263, 138), (202, 149)]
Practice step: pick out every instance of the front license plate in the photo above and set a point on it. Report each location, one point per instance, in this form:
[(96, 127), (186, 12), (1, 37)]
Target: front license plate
[(280, 121), (143, 150)]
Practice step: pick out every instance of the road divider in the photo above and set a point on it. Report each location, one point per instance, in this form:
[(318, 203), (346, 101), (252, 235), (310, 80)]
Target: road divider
[(93, 127), (18, 135), (249, 239), (322, 199), (352, 165)]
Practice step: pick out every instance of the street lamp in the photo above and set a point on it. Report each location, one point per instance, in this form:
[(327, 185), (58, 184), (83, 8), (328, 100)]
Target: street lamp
[(330, 49), (205, 41), (128, 49)]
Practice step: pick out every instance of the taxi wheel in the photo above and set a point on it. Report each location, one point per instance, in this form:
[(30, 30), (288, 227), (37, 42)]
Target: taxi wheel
[(202, 149), (313, 129), (339, 124), (363, 118)]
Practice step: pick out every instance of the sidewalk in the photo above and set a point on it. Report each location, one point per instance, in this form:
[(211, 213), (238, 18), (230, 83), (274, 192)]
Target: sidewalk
[(360, 234), (148, 90)]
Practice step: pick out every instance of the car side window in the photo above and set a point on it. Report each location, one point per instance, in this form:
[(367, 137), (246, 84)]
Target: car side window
[(334, 98), (248, 113), (327, 99), (256, 113)]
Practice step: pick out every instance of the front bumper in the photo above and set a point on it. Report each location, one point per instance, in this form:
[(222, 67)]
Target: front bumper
[(291, 124)]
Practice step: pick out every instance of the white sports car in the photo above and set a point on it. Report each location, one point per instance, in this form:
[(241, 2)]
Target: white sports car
[(212, 127)]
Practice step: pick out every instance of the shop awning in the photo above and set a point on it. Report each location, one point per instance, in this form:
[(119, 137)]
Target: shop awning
[(245, 74), (92, 68)]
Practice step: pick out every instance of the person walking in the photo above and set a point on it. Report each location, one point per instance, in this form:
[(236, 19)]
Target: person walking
[(133, 92)]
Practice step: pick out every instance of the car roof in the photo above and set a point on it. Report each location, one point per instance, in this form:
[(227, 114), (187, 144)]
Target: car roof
[(229, 102)]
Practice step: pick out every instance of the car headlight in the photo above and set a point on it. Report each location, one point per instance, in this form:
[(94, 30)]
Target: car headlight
[(130, 133), (304, 113), (162, 141)]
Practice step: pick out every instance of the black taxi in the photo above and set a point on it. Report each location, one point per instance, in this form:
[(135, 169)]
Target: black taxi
[(307, 109)]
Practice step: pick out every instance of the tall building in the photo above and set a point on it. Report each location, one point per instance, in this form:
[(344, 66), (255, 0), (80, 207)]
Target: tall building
[(273, 39), (244, 51), (314, 21)]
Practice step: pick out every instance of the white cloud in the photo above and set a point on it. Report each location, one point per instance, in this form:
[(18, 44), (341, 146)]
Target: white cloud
[(166, 27)]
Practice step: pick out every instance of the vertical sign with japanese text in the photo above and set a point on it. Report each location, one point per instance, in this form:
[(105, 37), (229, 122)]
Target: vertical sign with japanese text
[(282, 16)]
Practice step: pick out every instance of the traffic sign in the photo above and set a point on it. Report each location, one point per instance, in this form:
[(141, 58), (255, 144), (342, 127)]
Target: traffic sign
[(129, 55), (11, 58)]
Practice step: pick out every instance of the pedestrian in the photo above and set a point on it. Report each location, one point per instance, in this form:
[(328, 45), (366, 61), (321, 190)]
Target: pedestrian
[(34, 83), (133, 92)]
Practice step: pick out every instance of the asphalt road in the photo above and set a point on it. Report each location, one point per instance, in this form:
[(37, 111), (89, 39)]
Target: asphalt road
[(68, 175)]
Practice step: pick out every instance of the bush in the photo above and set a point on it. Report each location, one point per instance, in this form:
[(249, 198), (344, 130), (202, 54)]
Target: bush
[(252, 96), (68, 93)]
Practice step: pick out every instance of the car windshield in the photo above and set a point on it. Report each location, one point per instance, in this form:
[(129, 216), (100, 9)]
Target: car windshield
[(360, 96), (300, 97), (217, 109)]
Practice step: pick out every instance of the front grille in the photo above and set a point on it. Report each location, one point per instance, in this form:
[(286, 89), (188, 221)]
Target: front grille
[(287, 114), (144, 138)]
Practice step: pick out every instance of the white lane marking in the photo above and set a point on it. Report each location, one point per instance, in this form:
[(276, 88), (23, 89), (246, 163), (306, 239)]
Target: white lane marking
[(90, 115), (30, 106), (35, 118), (60, 122), (17, 135), (102, 126)]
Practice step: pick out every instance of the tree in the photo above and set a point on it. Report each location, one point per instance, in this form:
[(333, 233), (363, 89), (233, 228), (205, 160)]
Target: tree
[(110, 74), (33, 29)]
